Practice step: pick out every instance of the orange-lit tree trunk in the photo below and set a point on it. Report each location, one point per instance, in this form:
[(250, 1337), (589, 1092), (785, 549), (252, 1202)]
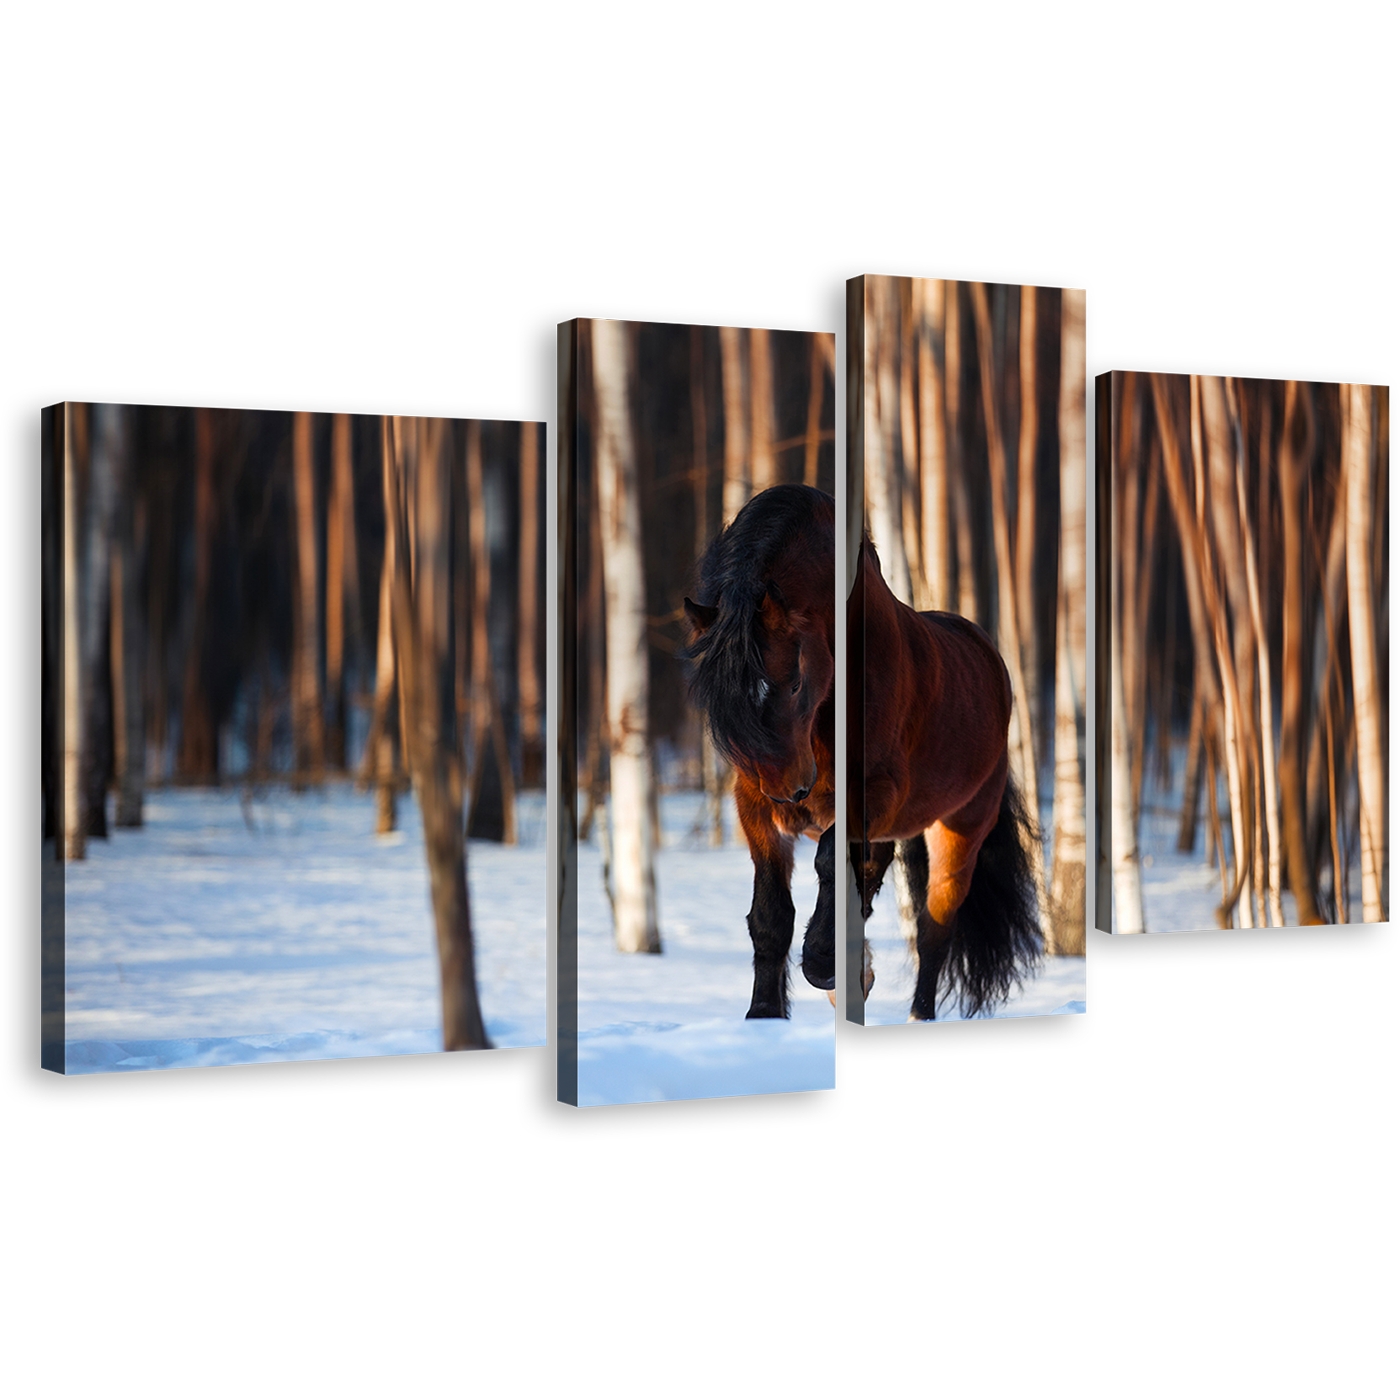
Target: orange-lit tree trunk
[(199, 747), (530, 682), (418, 505), (738, 483), (342, 580), (764, 460), (128, 625), (1358, 466), (308, 723), (933, 445)]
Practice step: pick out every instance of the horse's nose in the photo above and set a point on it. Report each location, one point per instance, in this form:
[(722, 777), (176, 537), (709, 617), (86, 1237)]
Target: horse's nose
[(800, 794)]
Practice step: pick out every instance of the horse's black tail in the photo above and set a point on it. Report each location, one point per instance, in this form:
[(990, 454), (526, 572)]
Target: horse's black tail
[(996, 940)]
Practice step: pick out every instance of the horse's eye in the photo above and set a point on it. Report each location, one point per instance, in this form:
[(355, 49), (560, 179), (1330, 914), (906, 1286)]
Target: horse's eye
[(797, 685)]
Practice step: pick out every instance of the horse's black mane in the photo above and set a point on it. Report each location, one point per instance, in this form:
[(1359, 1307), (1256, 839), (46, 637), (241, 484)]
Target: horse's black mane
[(733, 575)]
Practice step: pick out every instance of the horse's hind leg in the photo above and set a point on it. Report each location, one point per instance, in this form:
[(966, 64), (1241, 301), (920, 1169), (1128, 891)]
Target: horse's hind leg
[(947, 878), (819, 942)]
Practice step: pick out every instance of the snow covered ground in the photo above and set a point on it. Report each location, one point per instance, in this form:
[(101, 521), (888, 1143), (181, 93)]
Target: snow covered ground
[(226, 931), (1057, 988), (673, 1027), (1181, 893)]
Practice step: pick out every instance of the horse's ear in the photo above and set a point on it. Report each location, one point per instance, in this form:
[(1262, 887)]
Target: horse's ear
[(700, 617)]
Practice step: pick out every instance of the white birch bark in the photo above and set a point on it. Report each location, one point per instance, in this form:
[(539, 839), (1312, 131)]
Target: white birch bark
[(881, 406), (1370, 765), (634, 881), (1068, 871)]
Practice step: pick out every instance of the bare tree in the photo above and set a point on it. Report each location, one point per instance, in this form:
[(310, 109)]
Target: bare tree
[(491, 812), (1130, 916), (738, 483), (127, 621), (634, 878), (1067, 876), (74, 833), (1359, 472), (418, 500), (933, 444), (531, 691), (762, 456), (308, 723)]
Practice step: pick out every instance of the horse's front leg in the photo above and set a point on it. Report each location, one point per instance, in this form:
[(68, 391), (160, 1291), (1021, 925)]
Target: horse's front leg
[(771, 914), (770, 927), (819, 942)]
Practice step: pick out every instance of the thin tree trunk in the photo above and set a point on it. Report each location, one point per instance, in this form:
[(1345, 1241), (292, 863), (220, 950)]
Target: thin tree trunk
[(342, 569), (491, 811), (74, 834), (418, 501), (128, 627), (1274, 882), (106, 462), (933, 445), (1127, 877), (882, 475), (308, 723), (379, 748), (1026, 507), (627, 698), (531, 689), (1024, 755), (1068, 860), (1359, 470), (814, 405), (738, 484), (962, 508), (902, 298), (764, 460), (199, 749), (711, 778)]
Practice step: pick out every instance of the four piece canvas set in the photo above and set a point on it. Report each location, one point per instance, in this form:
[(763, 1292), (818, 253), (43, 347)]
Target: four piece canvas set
[(296, 701)]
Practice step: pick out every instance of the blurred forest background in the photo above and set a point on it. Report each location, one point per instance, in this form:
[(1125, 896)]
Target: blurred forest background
[(668, 431), (1244, 644), (972, 460), (257, 598)]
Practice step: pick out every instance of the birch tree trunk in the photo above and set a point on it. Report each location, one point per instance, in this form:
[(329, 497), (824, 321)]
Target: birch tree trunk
[(933, 445), (106, 462), (634, 880), (1127, 876), (1359, 471), (764, 461), (74, 834), (418, 501), (1068, 872), (1025, 507), (531, 706), (199, 748), (1274, 881), (379, 748), (308, 723), (738, 483), (711, 777), (342, 574), (127, 624), (882, 475), (491, 813), (1022, 742)]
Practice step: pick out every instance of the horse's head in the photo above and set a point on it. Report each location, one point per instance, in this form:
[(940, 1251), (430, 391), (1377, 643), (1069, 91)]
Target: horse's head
[(778, 671)]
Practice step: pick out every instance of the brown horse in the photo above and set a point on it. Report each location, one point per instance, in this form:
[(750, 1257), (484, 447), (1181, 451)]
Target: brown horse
[(763, 639), (929, 784)]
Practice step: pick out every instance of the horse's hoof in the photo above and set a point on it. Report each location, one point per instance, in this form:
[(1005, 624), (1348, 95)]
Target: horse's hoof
[(766, 1012), (820, 973)]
